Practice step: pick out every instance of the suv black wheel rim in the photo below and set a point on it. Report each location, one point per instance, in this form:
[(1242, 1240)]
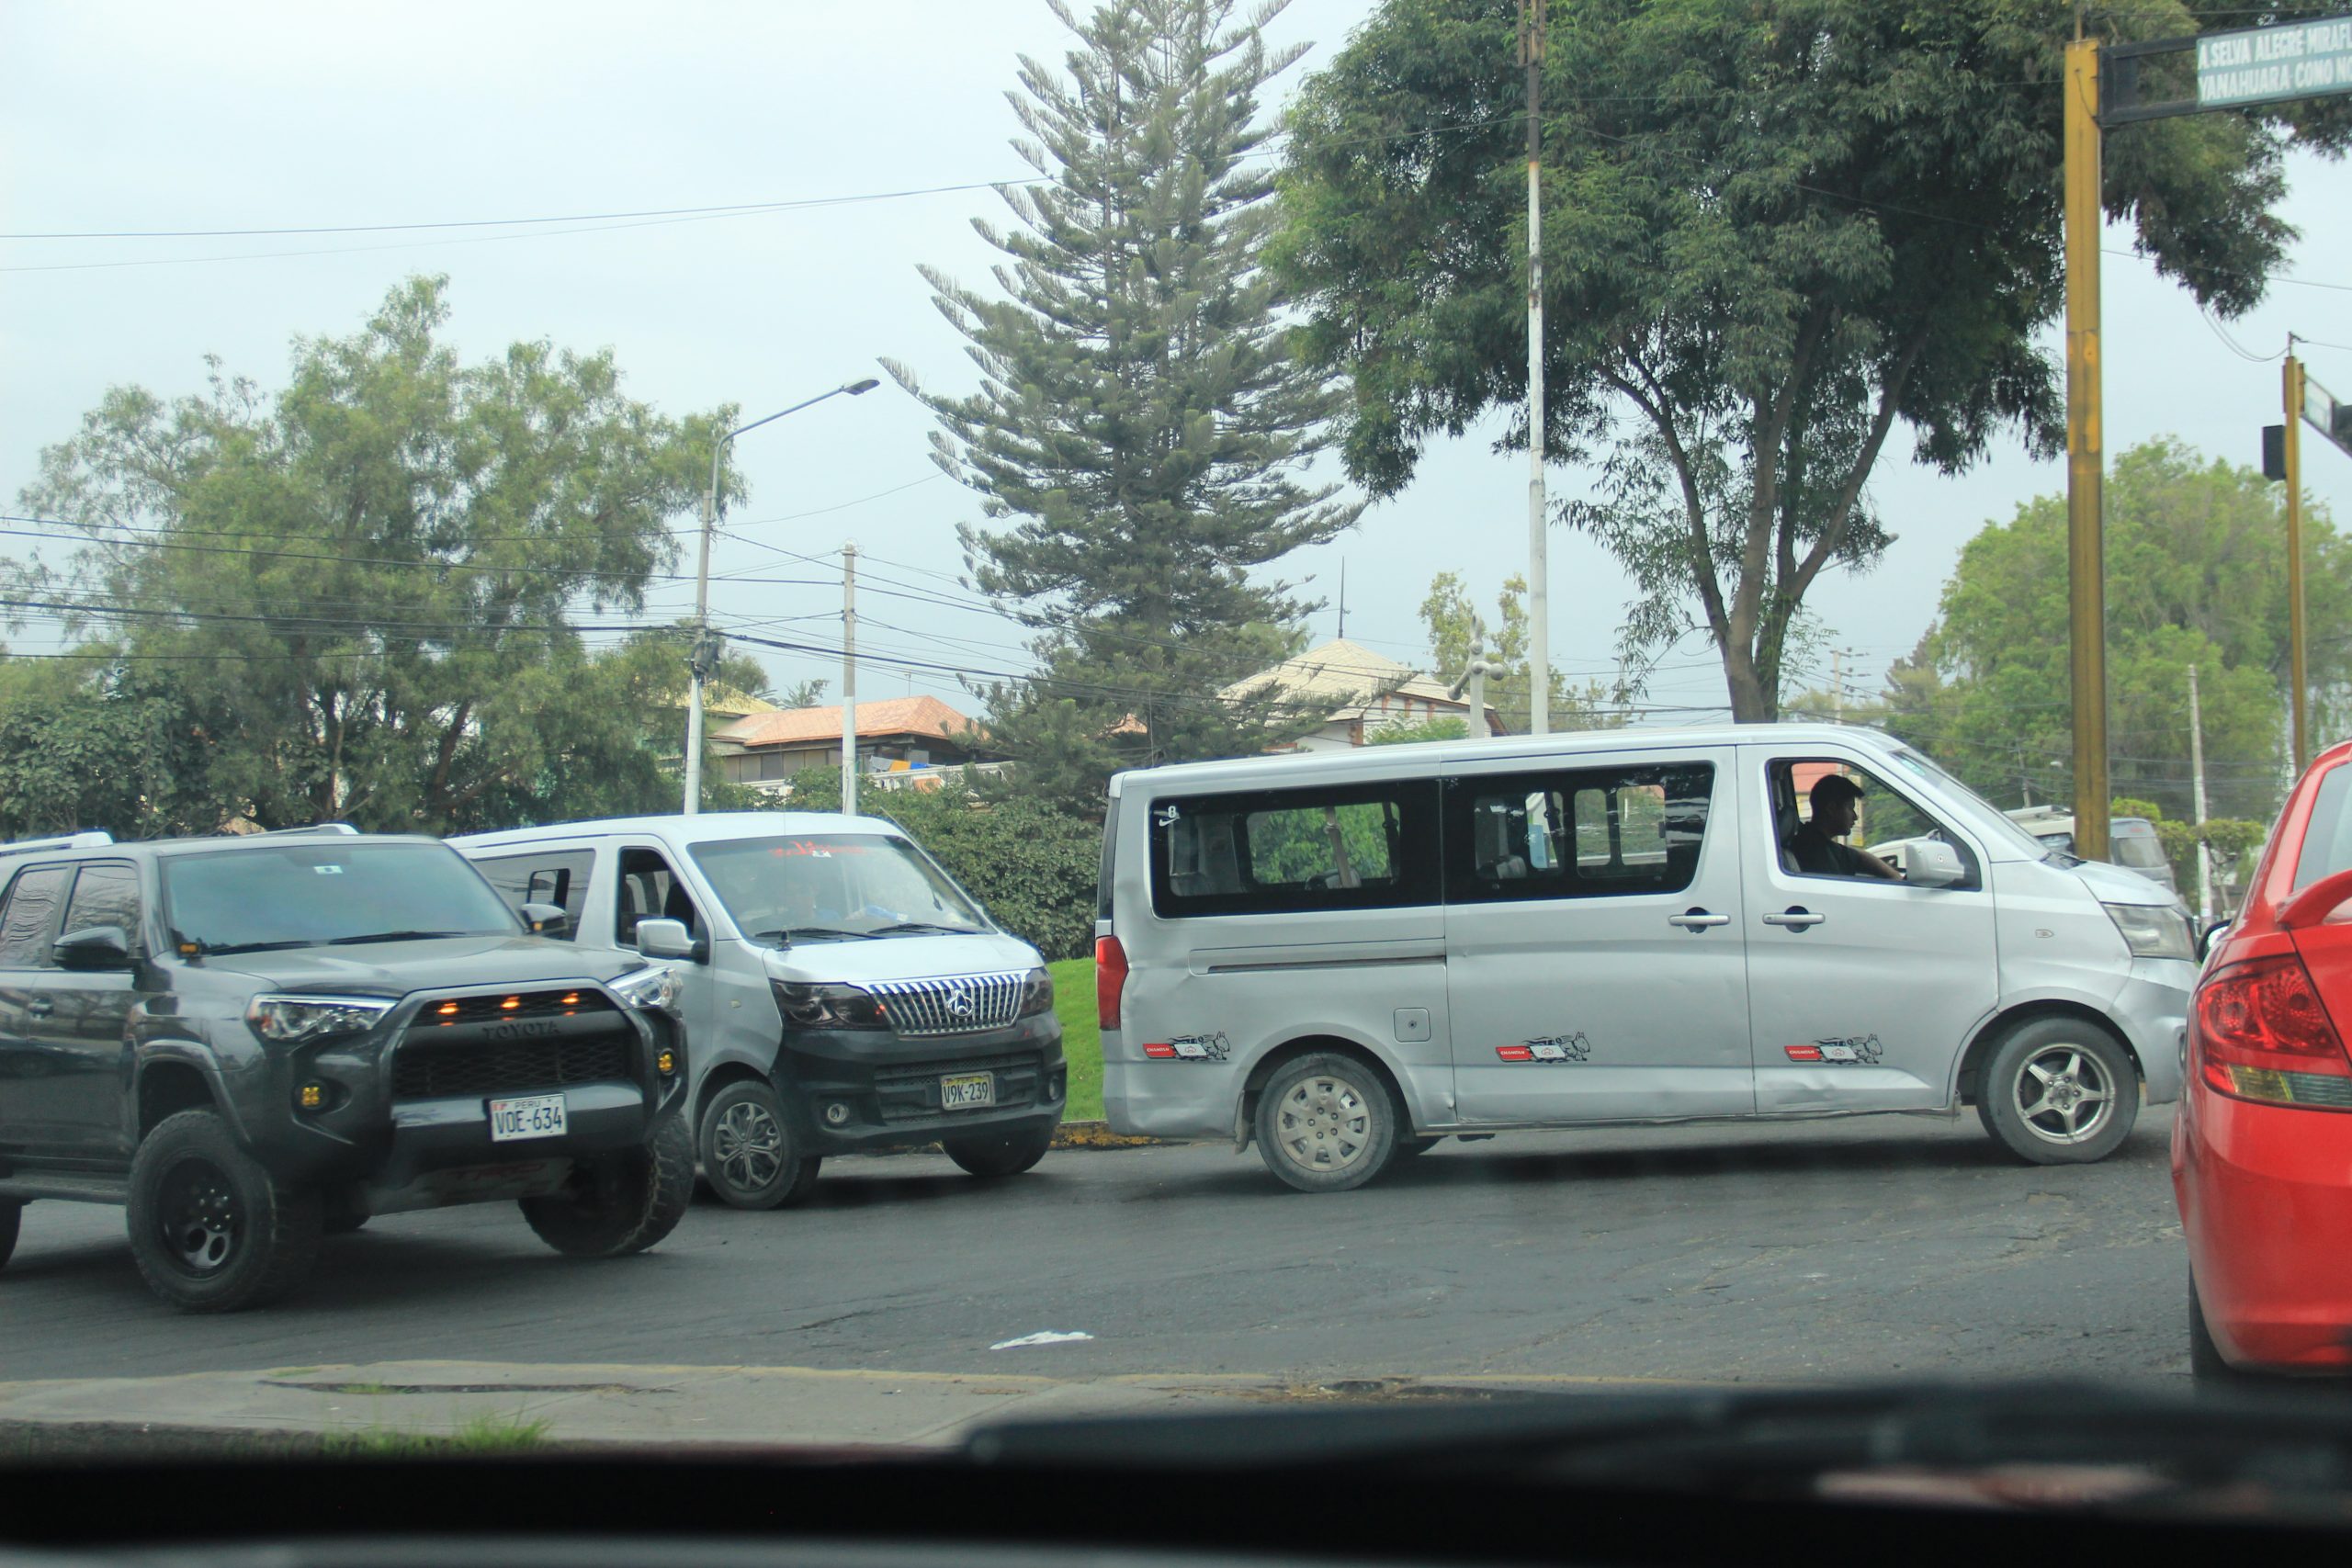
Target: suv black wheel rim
[(750, 1145), (199, 1217)]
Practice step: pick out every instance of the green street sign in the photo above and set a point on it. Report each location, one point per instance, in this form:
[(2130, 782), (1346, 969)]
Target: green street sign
[(2262, 65)]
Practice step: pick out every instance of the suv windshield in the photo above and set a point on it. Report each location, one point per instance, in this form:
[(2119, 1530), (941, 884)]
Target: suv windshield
[(835, 885), (318, 893)]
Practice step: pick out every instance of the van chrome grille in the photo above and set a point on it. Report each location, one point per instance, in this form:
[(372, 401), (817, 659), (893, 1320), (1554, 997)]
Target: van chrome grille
[(962, 1006)]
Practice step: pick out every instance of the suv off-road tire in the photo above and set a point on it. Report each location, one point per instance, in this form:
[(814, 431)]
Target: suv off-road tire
[(1326, 1123), (1008, 1154), (2059, 1054), (210, 1228), (750, 1155), (622, 1202), (12, 1216), (340, 1213)]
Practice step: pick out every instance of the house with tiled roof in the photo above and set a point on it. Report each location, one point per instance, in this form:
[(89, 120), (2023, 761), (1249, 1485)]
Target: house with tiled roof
[(1366, 693), (764, 750)]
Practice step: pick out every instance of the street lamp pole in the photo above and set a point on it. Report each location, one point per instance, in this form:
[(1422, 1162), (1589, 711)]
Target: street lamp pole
[(703, 661)]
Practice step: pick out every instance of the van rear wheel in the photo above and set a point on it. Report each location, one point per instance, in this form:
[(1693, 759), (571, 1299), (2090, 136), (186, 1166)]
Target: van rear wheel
[(2059, 1091), (1326, 1123)]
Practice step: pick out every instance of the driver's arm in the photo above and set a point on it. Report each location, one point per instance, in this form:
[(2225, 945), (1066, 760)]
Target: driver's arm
[(1872, 866)]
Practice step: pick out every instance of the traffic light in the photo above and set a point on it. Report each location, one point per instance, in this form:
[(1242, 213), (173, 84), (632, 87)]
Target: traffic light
[(2274, 452)]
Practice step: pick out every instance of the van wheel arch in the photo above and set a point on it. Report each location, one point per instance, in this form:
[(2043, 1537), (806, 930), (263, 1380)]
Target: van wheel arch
[(1989, 1038), (718, 1079), (1245, 1114)]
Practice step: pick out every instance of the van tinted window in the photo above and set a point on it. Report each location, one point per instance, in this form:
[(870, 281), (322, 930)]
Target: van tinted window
[(1589, 833), (544, 876), (1344, 846)]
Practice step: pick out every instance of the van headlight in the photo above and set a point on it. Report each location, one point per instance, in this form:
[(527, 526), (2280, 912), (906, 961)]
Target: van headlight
[(284, 1020), (1038, 995), (829, 1006), (2152, 931), (655, 989)]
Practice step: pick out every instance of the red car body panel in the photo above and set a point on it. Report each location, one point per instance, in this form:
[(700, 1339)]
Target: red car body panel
[(2265, 1191)]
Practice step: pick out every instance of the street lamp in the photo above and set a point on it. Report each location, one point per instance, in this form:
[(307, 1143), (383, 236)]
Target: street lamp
[(703, 661)]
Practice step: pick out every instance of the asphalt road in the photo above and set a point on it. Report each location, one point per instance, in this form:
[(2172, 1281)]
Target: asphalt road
[(1860, 1248)]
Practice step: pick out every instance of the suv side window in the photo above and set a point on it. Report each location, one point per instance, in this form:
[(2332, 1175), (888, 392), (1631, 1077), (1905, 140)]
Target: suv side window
[(651, 890), (1338, 847), (1589, 833), (28, 916), (105, 893), (554, 876)]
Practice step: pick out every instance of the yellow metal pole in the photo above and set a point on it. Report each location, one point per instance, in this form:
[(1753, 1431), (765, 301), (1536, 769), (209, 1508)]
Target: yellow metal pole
[(2085, 556), (2298, 677)]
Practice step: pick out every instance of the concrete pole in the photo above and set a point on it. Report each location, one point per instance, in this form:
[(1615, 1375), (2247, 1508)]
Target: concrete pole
[(849, 680), (2298, 670), (2196, 783), (2085, 459), (1539, 546), (692, 804)]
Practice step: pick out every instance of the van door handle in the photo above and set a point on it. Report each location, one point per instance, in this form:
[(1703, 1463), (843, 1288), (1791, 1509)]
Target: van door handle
[(40, 1007), (1695, 919), (1796, 916)]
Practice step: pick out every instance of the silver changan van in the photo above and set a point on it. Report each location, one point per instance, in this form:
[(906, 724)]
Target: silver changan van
[(1346, 957), (840, 992)]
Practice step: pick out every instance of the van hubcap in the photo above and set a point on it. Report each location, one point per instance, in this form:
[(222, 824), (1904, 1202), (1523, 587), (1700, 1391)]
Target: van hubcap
[(750, 1146), (1324, 1122), (2064, 1094)]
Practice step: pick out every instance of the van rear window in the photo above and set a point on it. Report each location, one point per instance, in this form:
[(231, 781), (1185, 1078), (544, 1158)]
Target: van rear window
[(1355, 847)]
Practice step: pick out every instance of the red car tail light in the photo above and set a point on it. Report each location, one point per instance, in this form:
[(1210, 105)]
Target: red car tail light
[(2262, 1034), (1110, 979)]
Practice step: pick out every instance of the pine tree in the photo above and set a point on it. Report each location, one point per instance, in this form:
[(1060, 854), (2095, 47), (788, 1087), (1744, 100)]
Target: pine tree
[(1140, 425)]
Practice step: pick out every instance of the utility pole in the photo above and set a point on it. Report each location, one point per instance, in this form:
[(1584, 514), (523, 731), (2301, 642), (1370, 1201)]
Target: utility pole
[(1474, 680), (849, 680), (1838, 685), (2085, 459), (2298, 677), (1343, 598), (699, 664), (2196, 783), (1539, 563)]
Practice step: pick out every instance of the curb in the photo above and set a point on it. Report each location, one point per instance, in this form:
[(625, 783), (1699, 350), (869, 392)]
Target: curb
[(1098, 1135)]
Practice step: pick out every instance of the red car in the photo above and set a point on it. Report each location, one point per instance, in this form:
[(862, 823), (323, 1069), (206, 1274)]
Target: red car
[(2262, 1143)]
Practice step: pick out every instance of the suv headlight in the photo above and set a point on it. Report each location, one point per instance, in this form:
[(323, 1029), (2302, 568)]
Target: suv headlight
[(2152, 931), (285, 1020), (656, 988), (1039, 997), (829, 1006)]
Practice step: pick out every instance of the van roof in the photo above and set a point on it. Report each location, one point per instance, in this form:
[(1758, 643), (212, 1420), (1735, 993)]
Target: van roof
[(675, 828), (1421, 756)]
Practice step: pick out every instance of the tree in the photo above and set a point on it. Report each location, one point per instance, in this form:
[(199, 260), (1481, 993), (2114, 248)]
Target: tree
[(371, 586), (1455, 626), (1772, 234), (2196, 575), (801, 695), (1427, 729), (1140, 423), (85, 744)]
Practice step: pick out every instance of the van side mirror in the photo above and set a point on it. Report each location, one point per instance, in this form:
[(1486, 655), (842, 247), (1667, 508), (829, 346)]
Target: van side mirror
[(2206, 938), (1933, 864), (669, 939), (93, 947), (546, 919)]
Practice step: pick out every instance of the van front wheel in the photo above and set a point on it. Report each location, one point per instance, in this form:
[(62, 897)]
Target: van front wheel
[(2059, 1091), (1326, 1123)]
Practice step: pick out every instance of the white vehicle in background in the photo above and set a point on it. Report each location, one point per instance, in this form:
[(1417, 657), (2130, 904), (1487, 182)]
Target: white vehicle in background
[(1346, 957), (2132, 842)]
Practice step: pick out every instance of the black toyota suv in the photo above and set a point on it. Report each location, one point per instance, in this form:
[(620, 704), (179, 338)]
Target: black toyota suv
[(251, 1041)]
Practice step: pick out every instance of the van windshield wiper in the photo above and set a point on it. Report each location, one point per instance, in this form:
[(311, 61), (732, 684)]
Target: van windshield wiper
[(904, 927), (393, 936), (790, 935)]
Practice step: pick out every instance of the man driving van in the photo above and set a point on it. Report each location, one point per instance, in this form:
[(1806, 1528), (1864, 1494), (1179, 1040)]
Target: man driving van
[(1816, 848)]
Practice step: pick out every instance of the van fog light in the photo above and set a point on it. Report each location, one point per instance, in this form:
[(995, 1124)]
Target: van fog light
[(836, 1114)]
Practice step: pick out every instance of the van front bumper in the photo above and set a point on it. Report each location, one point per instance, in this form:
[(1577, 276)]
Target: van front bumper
[(856, 1091), (2153, 1011)]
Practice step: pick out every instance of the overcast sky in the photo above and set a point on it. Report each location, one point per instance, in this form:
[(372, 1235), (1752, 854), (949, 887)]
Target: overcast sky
[(145, 116)]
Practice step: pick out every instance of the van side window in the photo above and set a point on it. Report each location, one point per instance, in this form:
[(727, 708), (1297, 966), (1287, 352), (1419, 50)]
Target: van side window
[(559, 877), (1591, 833), (651, 890), (1886, 823), (1343, 847)]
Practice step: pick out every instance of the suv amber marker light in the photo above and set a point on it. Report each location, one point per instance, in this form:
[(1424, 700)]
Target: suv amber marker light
[(447, 1009), (572, 998), (313, 1096), (665, 1064), (511, 1003)]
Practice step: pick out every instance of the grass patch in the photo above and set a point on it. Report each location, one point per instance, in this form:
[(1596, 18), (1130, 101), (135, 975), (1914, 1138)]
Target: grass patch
[(1082, 1036), (487, 1434)]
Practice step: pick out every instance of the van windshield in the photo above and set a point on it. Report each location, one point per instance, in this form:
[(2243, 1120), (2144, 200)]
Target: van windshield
[(1981, 813), (834, 887)]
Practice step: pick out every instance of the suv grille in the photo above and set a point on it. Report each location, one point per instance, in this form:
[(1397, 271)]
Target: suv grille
[(963, 1006), (480, 1045), (908, 1091)]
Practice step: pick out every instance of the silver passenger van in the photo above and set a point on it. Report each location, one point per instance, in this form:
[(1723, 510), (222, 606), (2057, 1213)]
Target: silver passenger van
[(840, 992), (1346, 957)]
